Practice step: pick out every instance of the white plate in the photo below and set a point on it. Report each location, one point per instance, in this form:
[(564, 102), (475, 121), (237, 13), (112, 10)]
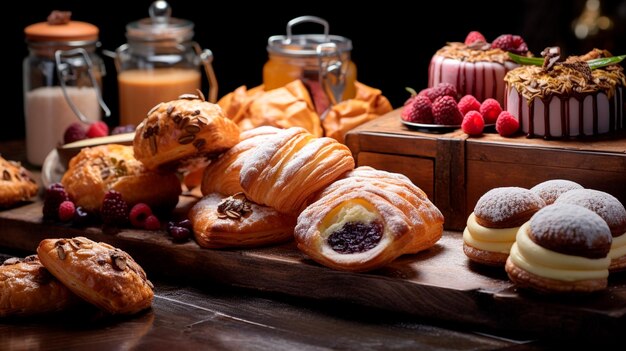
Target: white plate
[(436, 127)]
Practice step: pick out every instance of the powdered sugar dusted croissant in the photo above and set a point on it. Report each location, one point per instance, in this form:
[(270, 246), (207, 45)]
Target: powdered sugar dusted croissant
[(285, 171), (366, 220)]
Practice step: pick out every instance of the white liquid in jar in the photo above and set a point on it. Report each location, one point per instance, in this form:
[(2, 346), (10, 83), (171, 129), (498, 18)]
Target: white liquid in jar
[(48, 115)]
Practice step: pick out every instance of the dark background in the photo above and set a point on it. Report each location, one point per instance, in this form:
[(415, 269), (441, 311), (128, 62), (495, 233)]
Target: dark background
[(392, 44)]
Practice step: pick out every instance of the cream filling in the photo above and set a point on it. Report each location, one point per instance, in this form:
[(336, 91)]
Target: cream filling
[(618, 247), (549, 264), (488, 239)]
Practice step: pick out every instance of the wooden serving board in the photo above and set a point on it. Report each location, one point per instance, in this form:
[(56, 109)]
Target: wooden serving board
[(439, 284)]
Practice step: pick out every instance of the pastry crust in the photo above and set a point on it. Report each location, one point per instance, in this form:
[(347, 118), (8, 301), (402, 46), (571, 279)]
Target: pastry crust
[(618, 264), (259, 226), (27, 288), (368, 198), (16, 183), (99, 273), (285, 171), (507, 207), (179, 133), (222, 175), (525, 279), (96, 170), (490, 258)]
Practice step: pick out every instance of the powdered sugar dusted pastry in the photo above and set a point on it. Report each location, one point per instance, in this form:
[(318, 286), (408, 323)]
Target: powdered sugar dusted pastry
[(16, 183), (222, 175), (99, 273), (550, 190), (27, 288), (563, 248), (367, 219), (492, 227), (612, 211), (286, 170), (221, 221)]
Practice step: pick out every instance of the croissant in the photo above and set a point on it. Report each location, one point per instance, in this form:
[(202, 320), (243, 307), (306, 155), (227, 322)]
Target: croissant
[(222, 175), (367, 219), (285, 171)]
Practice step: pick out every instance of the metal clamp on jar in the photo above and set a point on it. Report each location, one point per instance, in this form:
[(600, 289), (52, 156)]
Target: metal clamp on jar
[(321, 61), (159, 63), (62, 81)]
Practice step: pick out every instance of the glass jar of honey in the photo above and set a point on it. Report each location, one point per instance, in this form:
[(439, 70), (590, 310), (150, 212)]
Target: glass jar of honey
[(321, 61), (159, 63)]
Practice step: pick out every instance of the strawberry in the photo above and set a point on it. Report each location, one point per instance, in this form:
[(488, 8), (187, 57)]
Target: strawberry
[(490, 109), (446, 112), (473, 123), (468, 103), (512, 43), (473, 37), (506, 125), (98, 129), (418, 111)]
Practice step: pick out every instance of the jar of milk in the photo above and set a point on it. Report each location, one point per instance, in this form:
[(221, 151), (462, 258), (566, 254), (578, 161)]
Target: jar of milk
[(159, 63), (62, 81)]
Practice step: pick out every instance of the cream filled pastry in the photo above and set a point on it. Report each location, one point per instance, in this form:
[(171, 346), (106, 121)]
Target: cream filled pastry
[(550, 190), (492, 227), (563, 248)]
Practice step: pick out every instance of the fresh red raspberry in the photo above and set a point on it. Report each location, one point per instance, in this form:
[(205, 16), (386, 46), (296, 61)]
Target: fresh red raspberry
[(98, 129), (54, 196), (490, 109), (152, 223), (114, 209), (442, 89), (66, 211), (74, 132), (473, 123), (473, 37), (512, 43), (418, 111), (138, 215), (468, 103), (506, 125), (446, 112)]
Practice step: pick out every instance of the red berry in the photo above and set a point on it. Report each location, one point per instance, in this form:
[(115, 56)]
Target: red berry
[(442, 89), (446, 112), (74, 132), (98, 129), (54, 196), (138, 215), (506, 124), (473, 37), (179, 233), (512, 43), (152, 223), (66, 211), (490, 109), (114, 209), (418, 111), (468, 103), (473, 123)]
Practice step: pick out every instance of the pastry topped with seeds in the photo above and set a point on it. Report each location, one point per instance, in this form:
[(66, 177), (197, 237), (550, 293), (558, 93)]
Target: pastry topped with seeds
[(98, 169), (27, 288), (16, 183), (183, 133), (99, 273)]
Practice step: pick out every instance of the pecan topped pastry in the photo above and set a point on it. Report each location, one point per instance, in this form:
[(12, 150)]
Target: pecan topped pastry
[(16, 183)]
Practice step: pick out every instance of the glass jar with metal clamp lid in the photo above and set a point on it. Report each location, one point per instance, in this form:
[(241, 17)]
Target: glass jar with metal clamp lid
[(321, 61)]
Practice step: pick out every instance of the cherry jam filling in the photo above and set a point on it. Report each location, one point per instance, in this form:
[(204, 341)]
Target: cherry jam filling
[(356, 237)]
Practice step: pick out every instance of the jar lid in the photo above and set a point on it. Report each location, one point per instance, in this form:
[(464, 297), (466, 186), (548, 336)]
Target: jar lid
[(160, 26), (59, 28), (306, 44)]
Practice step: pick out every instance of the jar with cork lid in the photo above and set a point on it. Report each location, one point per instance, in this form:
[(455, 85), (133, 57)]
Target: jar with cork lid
[(62, 81)]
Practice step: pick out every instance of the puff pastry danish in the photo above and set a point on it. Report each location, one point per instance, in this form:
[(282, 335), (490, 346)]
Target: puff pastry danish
[(16, 183), (366, 220), (99, 273), (232, 221), (285, 171)]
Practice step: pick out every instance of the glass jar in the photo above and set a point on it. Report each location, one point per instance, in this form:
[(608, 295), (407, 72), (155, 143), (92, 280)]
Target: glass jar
[(322, 62), (159, 63), (62, 81)]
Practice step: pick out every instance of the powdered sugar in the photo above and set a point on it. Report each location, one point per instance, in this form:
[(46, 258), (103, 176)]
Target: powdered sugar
[(500, 204), (604, 204), (550, 190)]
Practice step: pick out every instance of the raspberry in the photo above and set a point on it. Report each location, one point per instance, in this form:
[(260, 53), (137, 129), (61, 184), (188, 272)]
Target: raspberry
[(54, 196), (445, 111), (512, 43), (490, 109), (506, 125), (66, 211), (152, 223), (74, 132), (473, 123), (98, 129), (473, 37), (442, 89), (138, 215), (129, 128), (468, 103), (114, 209), (419, 110)]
